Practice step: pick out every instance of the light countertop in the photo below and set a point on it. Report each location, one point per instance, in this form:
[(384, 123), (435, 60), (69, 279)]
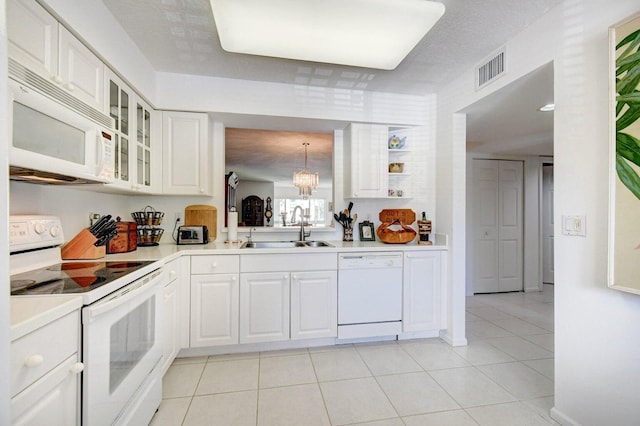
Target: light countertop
[(29, 313), (168, 252)]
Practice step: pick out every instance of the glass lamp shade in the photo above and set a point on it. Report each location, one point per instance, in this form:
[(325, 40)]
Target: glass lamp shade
[(305, 181)]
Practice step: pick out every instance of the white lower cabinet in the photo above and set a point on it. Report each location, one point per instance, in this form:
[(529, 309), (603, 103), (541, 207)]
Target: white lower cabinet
[(214, 310), (314, 304), (288, 297), (170, 344), (52, 400), (264, 307), (422, 280), (45, 374), (215, 300), (176, 311)]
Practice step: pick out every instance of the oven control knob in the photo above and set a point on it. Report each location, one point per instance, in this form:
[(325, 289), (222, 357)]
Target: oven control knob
[(39, 228), (54, 231), (33, 361), (77, 368)]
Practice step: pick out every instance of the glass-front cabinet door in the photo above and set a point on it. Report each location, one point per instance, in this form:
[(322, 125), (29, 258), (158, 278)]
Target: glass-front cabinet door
[(119, 107), (144, 177), (135, 135)]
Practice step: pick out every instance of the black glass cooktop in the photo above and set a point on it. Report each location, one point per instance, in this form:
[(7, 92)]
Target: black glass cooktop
[(71, 277)]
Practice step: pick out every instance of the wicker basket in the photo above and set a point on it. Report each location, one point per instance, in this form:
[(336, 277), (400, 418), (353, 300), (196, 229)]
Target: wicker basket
[(149, 236), (148, 217), (148, 232)]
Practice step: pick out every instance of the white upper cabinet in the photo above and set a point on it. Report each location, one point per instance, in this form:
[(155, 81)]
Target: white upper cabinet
[(80, 71), (120, 107), (40, 43), (147, 155), (365, 161), (377, 161), (138, 155), (186, 164), (33, 37)]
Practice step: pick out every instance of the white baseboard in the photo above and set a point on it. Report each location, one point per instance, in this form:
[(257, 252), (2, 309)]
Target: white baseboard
[(444, 335), (561, 418)]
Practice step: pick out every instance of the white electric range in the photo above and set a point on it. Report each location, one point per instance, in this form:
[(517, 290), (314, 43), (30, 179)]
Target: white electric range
[(121, 319)]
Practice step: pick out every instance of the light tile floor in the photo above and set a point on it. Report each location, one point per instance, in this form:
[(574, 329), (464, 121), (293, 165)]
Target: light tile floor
[(503, 377)]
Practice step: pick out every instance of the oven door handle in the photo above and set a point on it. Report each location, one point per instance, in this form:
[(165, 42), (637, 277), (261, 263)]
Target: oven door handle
[(127, 293)]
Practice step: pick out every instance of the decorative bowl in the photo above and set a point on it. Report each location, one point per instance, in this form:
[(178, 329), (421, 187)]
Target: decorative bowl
[(396, 167)]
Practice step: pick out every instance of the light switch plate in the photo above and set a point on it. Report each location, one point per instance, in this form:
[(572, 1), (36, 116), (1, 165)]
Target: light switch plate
[(574, 225)]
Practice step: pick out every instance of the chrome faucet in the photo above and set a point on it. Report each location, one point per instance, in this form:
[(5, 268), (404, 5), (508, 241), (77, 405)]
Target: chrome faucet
[(303, 234), (251, 234)]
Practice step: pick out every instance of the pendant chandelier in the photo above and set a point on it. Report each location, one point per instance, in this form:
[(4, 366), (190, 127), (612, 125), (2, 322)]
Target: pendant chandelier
[(304, 180)]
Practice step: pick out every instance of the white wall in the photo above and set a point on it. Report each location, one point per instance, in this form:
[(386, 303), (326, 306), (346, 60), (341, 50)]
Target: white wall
[(597, 368), (4, 235)]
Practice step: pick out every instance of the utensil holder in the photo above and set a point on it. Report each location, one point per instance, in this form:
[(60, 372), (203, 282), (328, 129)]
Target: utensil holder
[(82, 247), (347, 234)]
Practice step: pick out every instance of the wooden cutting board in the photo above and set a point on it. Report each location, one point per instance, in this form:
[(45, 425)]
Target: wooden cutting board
[(202, 214)]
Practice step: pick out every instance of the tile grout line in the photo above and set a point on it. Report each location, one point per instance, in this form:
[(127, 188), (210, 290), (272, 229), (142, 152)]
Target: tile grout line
[(324, 402)]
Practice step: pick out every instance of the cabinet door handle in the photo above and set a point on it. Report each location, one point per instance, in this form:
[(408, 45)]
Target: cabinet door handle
[(70, 87), (33, 361), (214, 265), (77, 368), (57, 79), (172, 274), (202, 190), (233, 278), (295, 277)]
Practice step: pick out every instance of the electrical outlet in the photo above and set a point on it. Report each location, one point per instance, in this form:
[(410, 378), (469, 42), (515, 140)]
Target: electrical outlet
[(177, 217)]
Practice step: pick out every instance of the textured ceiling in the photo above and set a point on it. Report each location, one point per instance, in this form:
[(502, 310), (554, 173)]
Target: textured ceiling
[(180, 36)]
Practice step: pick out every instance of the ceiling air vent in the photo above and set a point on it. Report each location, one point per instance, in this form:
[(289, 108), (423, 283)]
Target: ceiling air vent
[(491, 68)]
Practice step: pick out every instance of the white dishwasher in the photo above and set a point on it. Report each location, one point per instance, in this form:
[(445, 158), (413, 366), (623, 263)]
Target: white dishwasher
[(369, 294)]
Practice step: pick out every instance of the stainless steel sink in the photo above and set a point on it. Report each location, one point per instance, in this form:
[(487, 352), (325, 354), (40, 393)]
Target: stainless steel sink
[(285, 244), (317, 244)]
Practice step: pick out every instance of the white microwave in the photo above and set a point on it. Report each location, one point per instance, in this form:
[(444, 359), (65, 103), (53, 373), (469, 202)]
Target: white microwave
[(52, 143)]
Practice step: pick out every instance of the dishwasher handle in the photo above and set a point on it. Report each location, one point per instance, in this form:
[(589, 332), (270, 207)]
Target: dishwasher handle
[(366, 261)]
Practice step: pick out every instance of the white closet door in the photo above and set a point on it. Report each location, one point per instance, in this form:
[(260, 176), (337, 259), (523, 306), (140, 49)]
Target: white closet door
[(547, 224), (498, 225), (510, 221), (485, 175)]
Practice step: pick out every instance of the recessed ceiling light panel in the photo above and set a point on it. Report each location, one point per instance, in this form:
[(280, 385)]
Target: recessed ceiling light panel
[(365, 33)]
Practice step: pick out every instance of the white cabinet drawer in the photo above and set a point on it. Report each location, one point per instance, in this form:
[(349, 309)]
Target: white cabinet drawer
[(52, 400), (289, 262), (215, 264), (173, 268), (33, 355)]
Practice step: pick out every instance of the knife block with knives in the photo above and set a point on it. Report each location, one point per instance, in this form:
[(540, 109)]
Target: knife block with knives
[(90, 242)]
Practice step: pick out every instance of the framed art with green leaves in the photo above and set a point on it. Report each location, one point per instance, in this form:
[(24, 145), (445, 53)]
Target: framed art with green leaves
[(624, 211)]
